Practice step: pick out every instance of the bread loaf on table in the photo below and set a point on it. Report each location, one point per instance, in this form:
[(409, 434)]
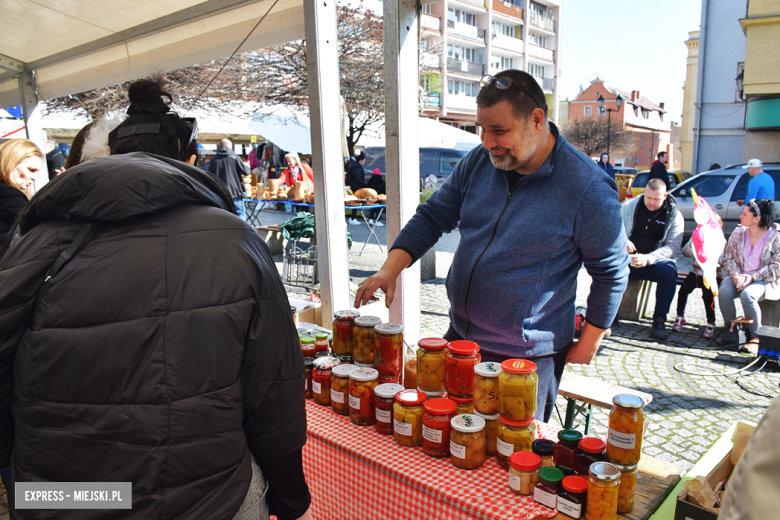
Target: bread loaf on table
[(365, 193)]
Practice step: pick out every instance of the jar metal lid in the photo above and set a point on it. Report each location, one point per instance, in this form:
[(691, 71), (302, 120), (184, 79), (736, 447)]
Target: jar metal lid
[(364, 365), (439, 406), (461, 400), (321, 335), (628, 401), (308, 362), (347, 315), (543, 447), (551, 476), (322, 354), (575, 484), (326, 362), (410, 397), (487, 417), (387, 390), (345, 360), (468, 423), (518, 366), (488, 369), (307, 340), (363, 374), (516, 424), (368, 321), (592, 445), (604, 471), (432, 395), (525, 461), (389, 328), (463, 347), (343, 370), (625, 469), (569, 436), (432, 343)]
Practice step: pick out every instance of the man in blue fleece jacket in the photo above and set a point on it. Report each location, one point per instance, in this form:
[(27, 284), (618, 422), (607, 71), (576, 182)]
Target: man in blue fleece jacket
[(531, 209)]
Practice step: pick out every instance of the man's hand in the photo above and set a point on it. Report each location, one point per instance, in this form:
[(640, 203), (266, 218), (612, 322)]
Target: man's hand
[(584, 350), (306, 515), (384, 279), (630, 247), (638, 260)]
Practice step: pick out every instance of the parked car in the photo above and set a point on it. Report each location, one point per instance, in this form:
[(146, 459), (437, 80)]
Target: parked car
[(623, 178), (437, 161), (640, 181), (725, 190)]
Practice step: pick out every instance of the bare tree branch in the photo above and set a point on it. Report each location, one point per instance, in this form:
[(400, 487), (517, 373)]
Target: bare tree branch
[(589, 135)]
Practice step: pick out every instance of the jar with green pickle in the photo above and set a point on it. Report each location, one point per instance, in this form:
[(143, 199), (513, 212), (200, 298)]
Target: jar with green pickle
[(343, 323), (389, 351), (517, 388), (513, 436), (431, 358), (407, 417), (363, 339)]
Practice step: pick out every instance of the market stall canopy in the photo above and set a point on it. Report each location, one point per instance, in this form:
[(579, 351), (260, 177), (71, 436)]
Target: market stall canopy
[(431, 134), (287, 128)]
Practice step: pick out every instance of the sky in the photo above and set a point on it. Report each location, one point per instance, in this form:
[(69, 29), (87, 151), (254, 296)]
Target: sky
[(629, 44)]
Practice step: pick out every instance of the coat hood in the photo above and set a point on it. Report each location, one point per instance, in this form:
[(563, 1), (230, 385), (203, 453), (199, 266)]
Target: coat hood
[(119, 187)]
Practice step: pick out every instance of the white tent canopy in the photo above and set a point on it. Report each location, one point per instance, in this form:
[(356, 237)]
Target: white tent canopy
[(431, 134)]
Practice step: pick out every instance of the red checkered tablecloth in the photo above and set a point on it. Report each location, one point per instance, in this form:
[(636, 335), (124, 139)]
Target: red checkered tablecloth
[(355, 473)]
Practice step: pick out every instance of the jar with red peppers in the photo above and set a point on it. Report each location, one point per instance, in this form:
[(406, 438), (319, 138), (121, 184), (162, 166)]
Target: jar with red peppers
[(307, 346), (591, 450), (308, 367), (343, 323), (339, 387), (362, 382), (389, 350), (321, 343), (320, 379), (363, 339), (465, 404), (384, 397), (566, 450), (461, 358), (436, 426)]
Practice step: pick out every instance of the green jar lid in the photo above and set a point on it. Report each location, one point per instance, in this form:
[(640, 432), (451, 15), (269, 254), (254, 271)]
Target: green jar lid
[(307, 340), (321, 335), (570, 436), (551, 476)]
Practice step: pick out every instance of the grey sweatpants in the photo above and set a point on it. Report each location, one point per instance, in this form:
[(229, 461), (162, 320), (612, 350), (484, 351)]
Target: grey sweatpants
[(255, 506)]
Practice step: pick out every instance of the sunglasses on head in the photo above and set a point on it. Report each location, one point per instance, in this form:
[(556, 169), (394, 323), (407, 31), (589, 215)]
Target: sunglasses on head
[(503, 83)]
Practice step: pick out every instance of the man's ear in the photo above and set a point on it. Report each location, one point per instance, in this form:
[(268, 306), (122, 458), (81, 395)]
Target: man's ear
[(538, 118)]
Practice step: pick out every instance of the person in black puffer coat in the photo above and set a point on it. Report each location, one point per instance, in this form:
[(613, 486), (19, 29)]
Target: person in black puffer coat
[(165, 354)]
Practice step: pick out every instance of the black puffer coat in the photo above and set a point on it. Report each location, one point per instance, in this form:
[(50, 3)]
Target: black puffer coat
[(164, 353)]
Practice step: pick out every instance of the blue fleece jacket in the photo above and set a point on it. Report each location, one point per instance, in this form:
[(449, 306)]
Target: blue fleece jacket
[(513, 279)]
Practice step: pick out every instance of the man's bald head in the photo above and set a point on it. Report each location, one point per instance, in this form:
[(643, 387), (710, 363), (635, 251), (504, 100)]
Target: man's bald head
[(226, 144)]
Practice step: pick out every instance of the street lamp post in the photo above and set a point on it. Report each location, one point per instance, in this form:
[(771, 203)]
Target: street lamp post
[(619, 103)]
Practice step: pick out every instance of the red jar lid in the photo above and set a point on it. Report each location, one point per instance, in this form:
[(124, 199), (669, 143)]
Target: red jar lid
[(575, 483), (463, 347), (516, 424), (518, 366), (461, 400), (525, 461), (432, 343), (410, 397), (592, 445), (440, 406)]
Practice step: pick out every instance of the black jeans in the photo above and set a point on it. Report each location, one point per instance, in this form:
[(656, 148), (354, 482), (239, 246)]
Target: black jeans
[(695, 281)]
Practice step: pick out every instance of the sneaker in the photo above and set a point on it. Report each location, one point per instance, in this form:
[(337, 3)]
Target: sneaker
[(371, 221), (353, 222), (659, 330), (678, 323), (709, 332), (379, 223)]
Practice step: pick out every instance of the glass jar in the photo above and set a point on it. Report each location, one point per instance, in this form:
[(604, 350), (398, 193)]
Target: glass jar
[(308, 367), (549, 486), (339, 386), (517, 388), (513, 436), (571, 500), (627, 489), (407, 417), (434, 395), (343, 323), (486, 387), (410, 368), (566, 449), (436, 426), (363, 338), (362, 382), (467, 441), (320, 379), (307, 346), (626, 426), (544, 448), (603, 488), (523, 472), (322, 354), (321, 343), (461, 357), (491, 433), (591, 450), (431, 364), (465, 404), (384, 397), (389, 350)]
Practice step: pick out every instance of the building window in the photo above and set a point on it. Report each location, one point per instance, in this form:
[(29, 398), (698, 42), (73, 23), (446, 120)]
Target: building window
[(538, 8), (461, 16), (641, 141), (464, 53), (661, 115), (536, 71), (636, 111), (537, 39), (506, 30), (587, 111), (426, 8), (645, 113)]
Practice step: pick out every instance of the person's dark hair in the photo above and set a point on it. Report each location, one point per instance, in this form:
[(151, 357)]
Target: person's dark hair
[(524, 94), (766, 207), (656, 185), (360, 156), (714, 166), (155, 129), (74, 157), (661, 154), (601, 157)]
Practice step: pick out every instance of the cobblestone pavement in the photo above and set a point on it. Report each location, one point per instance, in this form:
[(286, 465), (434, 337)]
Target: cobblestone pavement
[(689, 411)]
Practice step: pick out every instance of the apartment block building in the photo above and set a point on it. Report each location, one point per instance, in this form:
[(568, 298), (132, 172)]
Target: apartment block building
[(463, 40)]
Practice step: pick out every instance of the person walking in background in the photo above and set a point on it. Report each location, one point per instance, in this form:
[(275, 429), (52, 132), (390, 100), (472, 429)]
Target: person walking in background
[(55, 162), (356, 179), (658, 170), (376, 183), (761, 185), (604, 165), (20, 160), (229, 168)]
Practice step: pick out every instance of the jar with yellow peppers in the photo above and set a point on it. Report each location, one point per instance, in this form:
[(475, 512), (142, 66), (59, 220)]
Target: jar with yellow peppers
[(320, 379), (363, 339), (407, 417), (362, 382), (626, 426), (513, 436), (431, 364), (627, 490), (517, 388), (491, 432), (339, 387), (465, 404), (343, 323), (545, 449), (523, 472), (603, 488), (461, 358), (486, 387), (467, 441), (388, 350)]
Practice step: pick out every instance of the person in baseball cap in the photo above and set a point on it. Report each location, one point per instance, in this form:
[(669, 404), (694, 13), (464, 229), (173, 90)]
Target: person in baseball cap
[(761, 185)]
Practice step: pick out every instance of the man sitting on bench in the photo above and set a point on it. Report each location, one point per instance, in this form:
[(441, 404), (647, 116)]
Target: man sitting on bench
[(654, 228)]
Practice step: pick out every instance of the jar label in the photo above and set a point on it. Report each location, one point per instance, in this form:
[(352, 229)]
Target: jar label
[(622, 440), (569, 508), (306, 384), (432, 434), (384, 415), (317, 387), (545, 498), (514, 481), (354, 402), (402, 428), (336, 397), (504, 448), (457, 450)]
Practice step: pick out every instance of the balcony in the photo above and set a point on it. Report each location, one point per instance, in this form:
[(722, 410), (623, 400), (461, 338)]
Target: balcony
[(507, 9), (463, 30), (430, 22), (478, 3), (465, 67), (542, 22), (461, 102), (543, 53), (545, 83), (508, 42), (430, 60)]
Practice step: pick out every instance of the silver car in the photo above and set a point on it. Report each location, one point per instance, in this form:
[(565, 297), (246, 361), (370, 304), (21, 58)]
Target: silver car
[(725, 191)]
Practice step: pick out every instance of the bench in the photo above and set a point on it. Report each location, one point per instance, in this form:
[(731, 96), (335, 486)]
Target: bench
[(633, 306), (591, 392), (770, 313), (273, 238)]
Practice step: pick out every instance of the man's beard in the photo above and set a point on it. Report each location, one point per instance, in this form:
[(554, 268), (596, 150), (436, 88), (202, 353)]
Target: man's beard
[(509, 161)]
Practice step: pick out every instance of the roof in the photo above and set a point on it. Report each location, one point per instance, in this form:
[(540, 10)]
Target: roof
[(643, 102)]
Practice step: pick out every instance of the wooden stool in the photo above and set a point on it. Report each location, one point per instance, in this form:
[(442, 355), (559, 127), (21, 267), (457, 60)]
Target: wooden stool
[(633, 306)]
